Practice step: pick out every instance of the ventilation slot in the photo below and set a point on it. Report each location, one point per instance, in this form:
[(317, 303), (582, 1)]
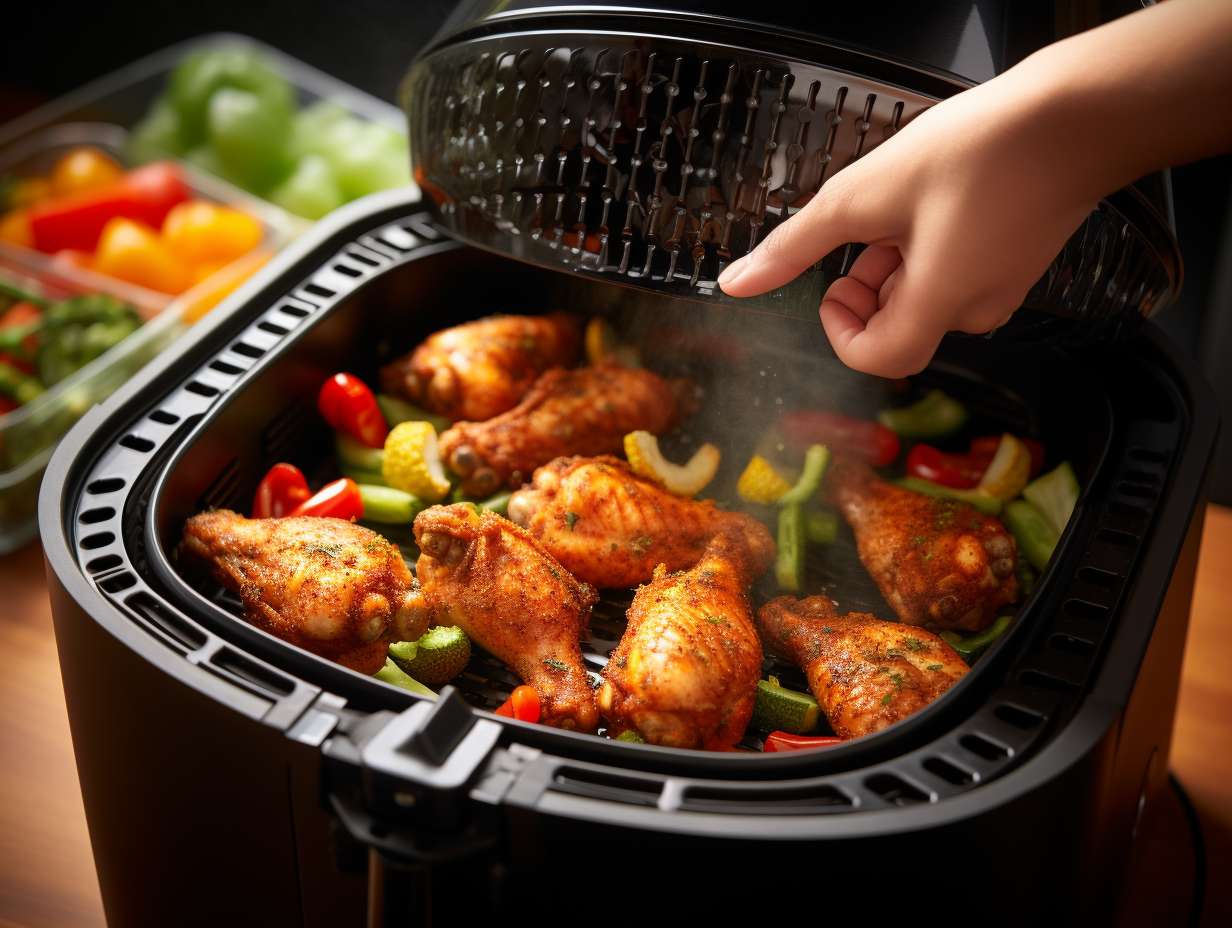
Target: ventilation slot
[(1018, 716), (318, 290), (1146, 454), (158, 616), (1115, 536), (252, 673), (1138, 490), (1141, 476), (247, 350), (118, 582), (201, 389), (348, 271), (896, 790), (1104, 579), (1071, 645), (951, 773), (272, 327), (94, 516), (984, 747), (105, 485), (137, 443), (224, 368), (163, 417), (292, 310), (97, 540), (363, 259), (1081, 609), (802, 799), (1045, 681), (608, 786), (106, 562)]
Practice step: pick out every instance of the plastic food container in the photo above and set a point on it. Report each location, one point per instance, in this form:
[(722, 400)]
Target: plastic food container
[(35, 156)]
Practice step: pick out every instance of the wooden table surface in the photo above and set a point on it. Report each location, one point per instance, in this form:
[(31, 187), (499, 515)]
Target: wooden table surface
[(47, 874)]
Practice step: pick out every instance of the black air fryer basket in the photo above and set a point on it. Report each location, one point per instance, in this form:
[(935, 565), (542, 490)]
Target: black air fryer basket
[(299, 792)]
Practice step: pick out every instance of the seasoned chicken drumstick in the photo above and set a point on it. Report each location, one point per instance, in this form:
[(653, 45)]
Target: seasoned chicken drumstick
[(327, 585), (611, 528), (479, 369), (583, 411), (486, 575), (866, 674), (937, 561), (685, 673)]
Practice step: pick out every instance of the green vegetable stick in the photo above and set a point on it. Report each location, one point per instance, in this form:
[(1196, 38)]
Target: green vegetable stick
[(392, 674), (358, 455), (398, 410), (498, 503), (815, 461), (1036, 538), (984, 502), (1055, 494), (935, 415), (387, 505), (972, 646), (789, 564), (780, 709), (372, 478)]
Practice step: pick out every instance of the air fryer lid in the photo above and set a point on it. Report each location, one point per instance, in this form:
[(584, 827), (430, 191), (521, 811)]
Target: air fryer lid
[(599, 144)]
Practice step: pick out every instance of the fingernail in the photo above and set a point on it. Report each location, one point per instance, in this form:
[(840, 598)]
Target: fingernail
[(733, 271)]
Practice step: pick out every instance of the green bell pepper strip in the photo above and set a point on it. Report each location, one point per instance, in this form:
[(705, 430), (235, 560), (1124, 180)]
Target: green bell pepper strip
[(972, 646), (935, 415), (498, 504), (361, 476), (815, 461), (984, 502), (1036, 537), (789, 563), (393, 674), (398, 410), (357, 455), (389, 506)]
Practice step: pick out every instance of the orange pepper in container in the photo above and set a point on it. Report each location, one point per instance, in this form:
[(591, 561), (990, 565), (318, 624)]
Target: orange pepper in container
[(204, 233), (15, 228), (134, 252), (83, 169)]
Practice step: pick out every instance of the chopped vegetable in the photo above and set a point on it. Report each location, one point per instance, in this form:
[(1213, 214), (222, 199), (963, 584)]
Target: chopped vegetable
[(200, 75), (372, 478), (339, 500), (1036, 538), (785, 741), (133, 251), (282, 489), (83, 169), (972, 646), (935, 415), (1055, 495), (1026, 575), (396, 411), (760, 482), (789, 562), (522, 704), (645, 458), (977, 498), (145, 195), (438, 656), (248, 132), (310, 191), (960, 471), (199, 232), (986, 446), (21, 388), (602, 345), (352, 453), (413, 462), (861, 438), (1009, 469), (498, 504), (780, 708), (346, 403), (75, 331), (815, 461), (394, 675), (387, 505), (631, 736), (821, 526)]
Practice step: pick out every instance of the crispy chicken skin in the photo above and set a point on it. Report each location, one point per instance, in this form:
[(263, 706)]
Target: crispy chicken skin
[(937, 561), (866, 674), (485, 574), (327, 585), (479, 369), (611, 528), (583, 411), (685, 673)]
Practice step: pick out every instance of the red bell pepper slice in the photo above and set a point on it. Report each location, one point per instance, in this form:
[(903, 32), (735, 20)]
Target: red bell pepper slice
[(785, 741), (870, 441), (338, 500), (281, 490), (146, 194), (986, 447), (7, 404), (348, 405), (522, 704), (960, 471)]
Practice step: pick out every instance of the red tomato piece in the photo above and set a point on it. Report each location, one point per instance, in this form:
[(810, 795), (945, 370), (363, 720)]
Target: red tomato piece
[(348, 405), (281, 490), (785, 741), (338, 500)]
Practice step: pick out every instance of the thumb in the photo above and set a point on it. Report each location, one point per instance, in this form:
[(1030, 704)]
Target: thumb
[(838, 214), (898, 339)]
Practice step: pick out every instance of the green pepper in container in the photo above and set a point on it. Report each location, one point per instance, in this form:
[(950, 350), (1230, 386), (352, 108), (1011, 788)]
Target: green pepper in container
[(935, 415)]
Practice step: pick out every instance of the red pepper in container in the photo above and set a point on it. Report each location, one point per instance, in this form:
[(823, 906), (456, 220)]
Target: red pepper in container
[(870, 441), (145, 195), (522, 704), (785, 741), (281, 490), (349, 406), (338, 500)]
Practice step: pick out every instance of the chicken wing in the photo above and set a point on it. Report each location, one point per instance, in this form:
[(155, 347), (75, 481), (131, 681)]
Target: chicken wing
[(583, 411), (479, 369), (485, 574), (327, 585), (685, 672), (866, 674), (937, 561), (610, 527)]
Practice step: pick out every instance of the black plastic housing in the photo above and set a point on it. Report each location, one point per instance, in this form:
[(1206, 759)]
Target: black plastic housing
[(277, 771)]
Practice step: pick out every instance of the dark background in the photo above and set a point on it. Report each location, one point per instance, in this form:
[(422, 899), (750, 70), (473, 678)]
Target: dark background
[(53, 46)]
